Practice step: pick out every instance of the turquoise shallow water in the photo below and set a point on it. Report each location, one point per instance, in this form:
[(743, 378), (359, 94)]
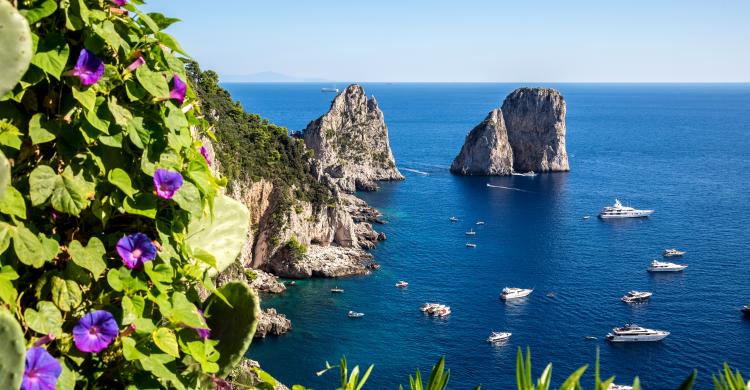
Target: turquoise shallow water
[(683, 150)]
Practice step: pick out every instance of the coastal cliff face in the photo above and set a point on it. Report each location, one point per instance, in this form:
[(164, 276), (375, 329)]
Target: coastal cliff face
[(486, 150), (351, 144), (526, 134), (535, 119)]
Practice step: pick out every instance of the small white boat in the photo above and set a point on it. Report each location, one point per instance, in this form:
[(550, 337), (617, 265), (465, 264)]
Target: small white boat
[(673, 253), (527, 174), (470, 245), (334, 90), (664, 266), (613, 386), (480, 222), (634, 333), (515, 292), (499, 337), (590, 337), (586, 216), (354, 314), (402, 284), (337, 290), (436, 309), (471, 232), (618, 211), (453, 219), (636, 296)]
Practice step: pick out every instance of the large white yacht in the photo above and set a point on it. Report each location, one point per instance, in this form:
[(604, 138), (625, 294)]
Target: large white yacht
[(515, 292), (635, 333), (620, 211), (665, 266), (499, 337), (637, 296)]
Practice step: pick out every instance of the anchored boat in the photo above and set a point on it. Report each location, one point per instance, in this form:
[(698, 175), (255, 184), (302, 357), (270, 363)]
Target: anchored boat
[(499, 337), (637, 296), (635, 333), (664, 266), (515, 292), (618, 211)]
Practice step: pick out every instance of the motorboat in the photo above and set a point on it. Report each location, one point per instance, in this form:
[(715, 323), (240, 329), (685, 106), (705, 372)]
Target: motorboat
[(337, 290), (402, 284), (436, 309), (453, 219), (673, 253), (637, 296), (470, 245), (746, 309), (527, 174), (515, 292), (334, 90), (635, 333), (471, 232), (619, 211), (665, 266), (354, 314), (613, 386), (480, 222), (499, 337), (586, 217), (591, 338), (443, 312)]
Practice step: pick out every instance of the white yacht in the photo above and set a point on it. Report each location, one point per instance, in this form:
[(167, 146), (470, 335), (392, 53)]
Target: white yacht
[(436, 309), (637, 296), (402, 284), (480, 222), (334, 90), (665, 266), (620, 211), (470, 245), (471, 232), (613, 386), (673, 253), (337, 290), (354, 314), (499, 337), (515, 292), (453, 219), (635, 333)]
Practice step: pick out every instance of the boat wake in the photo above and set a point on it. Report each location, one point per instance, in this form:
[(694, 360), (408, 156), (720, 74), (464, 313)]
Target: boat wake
[(416, 171), (509, 188)]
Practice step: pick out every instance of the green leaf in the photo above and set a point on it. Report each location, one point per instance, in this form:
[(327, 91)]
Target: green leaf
[(10, 136), (27, 247), (50, 247), (138, 135), (6, 233), (66, 294), (155, 363), (146, 20), (141, 204), (184, 312), (162, 21), (120, 179), (132, 308), (86, 97), (166, 340), (37, 131), (52, 55), (224, 235), (4, 174), (154, 83), (8, 293), (130, 349), (41, 184), (34, 15), (71, 193), (67, 379), (189, 199), (170, 42), (134, 91), (12, 203), (121, 114), (89, 257), (97, 117), (46, 320)]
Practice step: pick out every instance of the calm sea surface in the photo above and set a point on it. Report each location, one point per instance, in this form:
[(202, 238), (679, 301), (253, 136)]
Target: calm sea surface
[(683, 150)]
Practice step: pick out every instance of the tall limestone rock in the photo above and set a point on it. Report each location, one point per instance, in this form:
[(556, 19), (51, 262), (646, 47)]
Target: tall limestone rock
[(486, 150), (535, 119), (351, 142)]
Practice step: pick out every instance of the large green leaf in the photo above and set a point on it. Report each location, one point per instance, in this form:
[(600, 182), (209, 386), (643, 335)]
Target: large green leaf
[(66, 294), (52, 55), (46, 320), (27, 246), (89, 257), (189, 198), (12, 203), (166, 340), (141, 204), (223, 235), (14, 350), (71, 193), (121, 180), (185, 312), (47, 8), (153, 82), (38, 130), (15, 46), (41, 184)]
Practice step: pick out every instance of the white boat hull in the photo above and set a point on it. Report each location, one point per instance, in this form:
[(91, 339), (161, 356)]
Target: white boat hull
[(637, 339), (516, 295), (674, 269), (639, 214)]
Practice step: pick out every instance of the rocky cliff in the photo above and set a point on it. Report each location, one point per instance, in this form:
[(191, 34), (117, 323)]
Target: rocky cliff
[(526, 134), (535, 119), (351, 144), (486, 150)]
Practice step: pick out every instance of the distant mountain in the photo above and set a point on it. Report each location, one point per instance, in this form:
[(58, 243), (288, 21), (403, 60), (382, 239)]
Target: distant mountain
[(269, 77)]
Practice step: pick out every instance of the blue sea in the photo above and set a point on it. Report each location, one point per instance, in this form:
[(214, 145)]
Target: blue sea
[(683, 150)]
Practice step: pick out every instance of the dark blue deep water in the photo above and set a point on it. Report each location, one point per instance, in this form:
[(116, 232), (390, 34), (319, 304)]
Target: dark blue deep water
[(683, 150)]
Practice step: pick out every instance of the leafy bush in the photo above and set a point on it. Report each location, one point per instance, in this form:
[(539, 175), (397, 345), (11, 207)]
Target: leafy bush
[(110, 206), (296, 248)]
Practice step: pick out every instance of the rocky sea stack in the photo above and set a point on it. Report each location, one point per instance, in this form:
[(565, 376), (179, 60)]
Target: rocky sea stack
[(527, 134), (351, 144)]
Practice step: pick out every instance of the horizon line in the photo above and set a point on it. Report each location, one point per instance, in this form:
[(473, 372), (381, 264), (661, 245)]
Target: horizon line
[(485, 82)]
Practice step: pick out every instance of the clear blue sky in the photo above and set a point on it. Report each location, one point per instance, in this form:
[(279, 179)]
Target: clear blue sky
[(469, 40)]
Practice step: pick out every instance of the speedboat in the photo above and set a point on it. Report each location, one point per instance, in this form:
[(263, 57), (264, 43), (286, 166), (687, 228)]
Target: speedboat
[(527, 174), (613, 386), (673, 253), (402, 284), (664, 266), (470, 245), (586, 216), (515, 292), (637, 296), (635, 333), (480, 222), (436, 309), (746, 309), (337, 290), (354, 314), (499, 337), (471, 232), (620, 211), (453, 219), (443, 312)]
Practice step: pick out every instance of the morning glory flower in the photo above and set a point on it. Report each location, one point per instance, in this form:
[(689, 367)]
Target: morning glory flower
[(136, 64), (178, 89), (89, 68), (120, 2), (203, 333), (41, 371), (167, 182), (95, 331), (136, 249), (204, 153)]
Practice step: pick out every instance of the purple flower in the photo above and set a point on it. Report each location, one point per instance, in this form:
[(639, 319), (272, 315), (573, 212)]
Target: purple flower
[(204, 153), (42, 370), (95, 331), (136, 249), (203, 333), (89, 68), (136, 64), (167, 182), (178, 89), (120, 2)]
